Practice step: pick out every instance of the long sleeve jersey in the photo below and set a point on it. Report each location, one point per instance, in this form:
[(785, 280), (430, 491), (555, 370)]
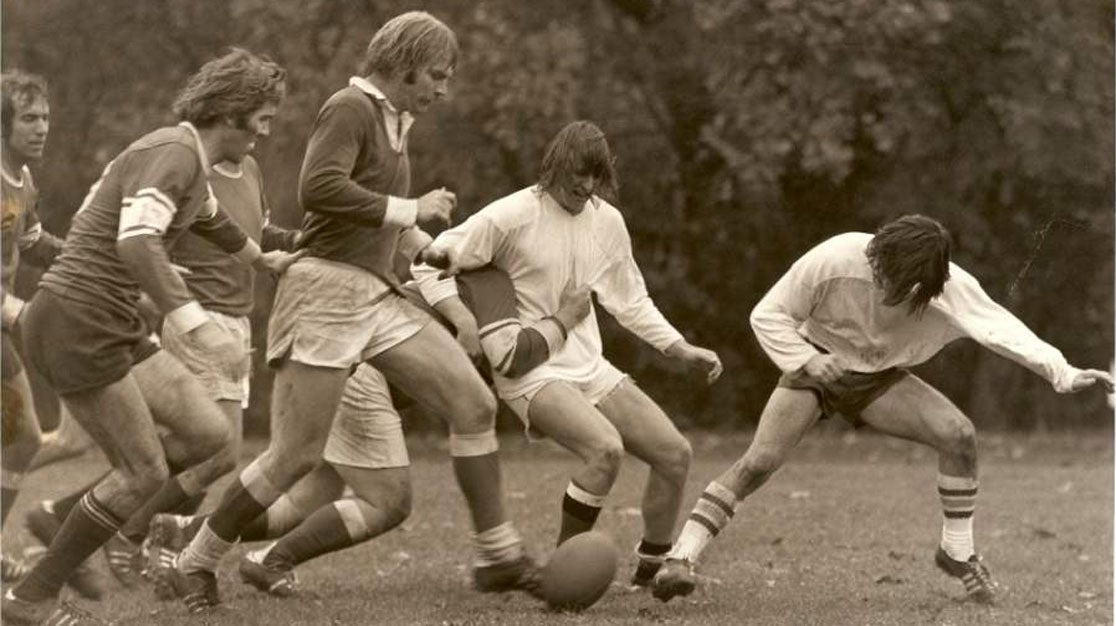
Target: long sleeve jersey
[(219, 281), (355, 177), (828, 298), (545, 250)]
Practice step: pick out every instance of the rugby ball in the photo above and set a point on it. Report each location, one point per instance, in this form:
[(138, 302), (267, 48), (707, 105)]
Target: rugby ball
[(579, 572)]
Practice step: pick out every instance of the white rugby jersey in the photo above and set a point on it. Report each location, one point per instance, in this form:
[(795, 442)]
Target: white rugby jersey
[(545, 250), (828, 298)]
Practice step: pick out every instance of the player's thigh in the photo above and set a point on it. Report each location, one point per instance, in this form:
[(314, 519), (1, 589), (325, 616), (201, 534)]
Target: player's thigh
[(304, 401), (562, 413), (178, 402), (387, 487), (431, 368), (647, 431), (117, 418), (21, 426), (912, 409), (788, 414)]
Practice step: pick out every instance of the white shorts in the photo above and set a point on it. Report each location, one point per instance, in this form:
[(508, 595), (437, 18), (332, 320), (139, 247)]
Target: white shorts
[(330, 314), (604, 378), (367, 431), (202, 364)]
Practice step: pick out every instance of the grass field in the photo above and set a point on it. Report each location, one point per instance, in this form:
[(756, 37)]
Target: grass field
[(844, 534)]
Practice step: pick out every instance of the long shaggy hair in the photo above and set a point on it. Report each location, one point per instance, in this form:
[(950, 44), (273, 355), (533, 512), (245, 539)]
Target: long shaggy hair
[(18, 88), (910, 258), (232, 86), (409, 42), (579, 149)]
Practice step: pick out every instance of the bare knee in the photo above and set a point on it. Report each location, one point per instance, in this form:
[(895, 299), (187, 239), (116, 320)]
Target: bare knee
[(674, 461), (476, 413), (960, 441), (606, 456), (757, 465), (397, 508)]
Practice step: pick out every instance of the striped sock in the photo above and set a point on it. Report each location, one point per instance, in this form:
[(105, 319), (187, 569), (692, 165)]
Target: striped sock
[(712, 512), (580, 509), (88, 526), (958, 495)]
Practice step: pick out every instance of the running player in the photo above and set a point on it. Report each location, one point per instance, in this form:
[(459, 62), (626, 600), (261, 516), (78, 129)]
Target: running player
[(558, 236), (844, 324), (340, 306), (26, 122), (83, 331)]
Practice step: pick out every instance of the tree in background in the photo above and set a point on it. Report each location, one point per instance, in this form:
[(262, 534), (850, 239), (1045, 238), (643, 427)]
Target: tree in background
[(746, 132)]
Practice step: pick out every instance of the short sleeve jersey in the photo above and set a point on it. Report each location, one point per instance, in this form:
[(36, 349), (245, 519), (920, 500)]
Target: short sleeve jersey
[(159, 185), (20, 221), (218, 280)]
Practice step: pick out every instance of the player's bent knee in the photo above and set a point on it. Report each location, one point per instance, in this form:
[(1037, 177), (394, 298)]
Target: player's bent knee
[(607, 455), (675, 462)]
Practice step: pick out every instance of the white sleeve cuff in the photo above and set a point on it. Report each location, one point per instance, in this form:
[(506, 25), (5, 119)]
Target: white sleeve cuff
[(1065, 378), (249, 253), (187, 317), (401, 212)]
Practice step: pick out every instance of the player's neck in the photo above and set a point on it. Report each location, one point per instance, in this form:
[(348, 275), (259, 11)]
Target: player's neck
[(390, 88), (12, 163)]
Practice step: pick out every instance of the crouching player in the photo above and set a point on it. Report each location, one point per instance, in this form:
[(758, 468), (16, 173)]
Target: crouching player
[(844, 324)]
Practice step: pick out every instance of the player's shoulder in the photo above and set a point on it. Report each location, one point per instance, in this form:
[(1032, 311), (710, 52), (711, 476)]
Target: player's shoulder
[(513, 210), (841, 256), (173, 146)]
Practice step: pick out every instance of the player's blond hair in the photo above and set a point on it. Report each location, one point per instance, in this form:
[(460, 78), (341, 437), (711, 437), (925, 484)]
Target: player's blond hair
[(580, 148), (18, 88), (409, 42), (232, 86), (910, 260)]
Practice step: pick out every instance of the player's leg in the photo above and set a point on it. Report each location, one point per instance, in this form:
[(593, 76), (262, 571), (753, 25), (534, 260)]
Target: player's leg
[(130, 442), (912, 409), (66, 441), (650, 436), (366, 450), (430, 367), (789, 413), (304, 400), (21, 438), (561, 412)]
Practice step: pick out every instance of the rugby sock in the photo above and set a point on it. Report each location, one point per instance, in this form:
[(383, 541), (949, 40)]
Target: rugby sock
[(9, 489), (275, 522), (166, 499), (88, 526), (958, 495), (204, 552), (62, 506), (579, 511), (650, 557), (246, 499), (333, 527), (713, 511), (477, 468), (499, 544)]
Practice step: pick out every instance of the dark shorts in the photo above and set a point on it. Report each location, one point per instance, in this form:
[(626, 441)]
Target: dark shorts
[(79, 346), (10, 364), (850, 394)]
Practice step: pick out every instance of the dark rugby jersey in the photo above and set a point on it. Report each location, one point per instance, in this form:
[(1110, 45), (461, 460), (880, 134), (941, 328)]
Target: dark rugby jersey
[(156, 186), (21, 231), (219, 281), (349, 172)]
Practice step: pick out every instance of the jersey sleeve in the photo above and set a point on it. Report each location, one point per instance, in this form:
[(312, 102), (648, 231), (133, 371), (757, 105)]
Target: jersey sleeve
[(511, 348), (36, 245), (621, 290), (782, 310), (153, 184), (980, 318), (215, 226), (474, 243), (325, 183)]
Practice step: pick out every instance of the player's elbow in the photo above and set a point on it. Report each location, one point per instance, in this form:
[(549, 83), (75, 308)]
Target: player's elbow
[(134, 251)]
